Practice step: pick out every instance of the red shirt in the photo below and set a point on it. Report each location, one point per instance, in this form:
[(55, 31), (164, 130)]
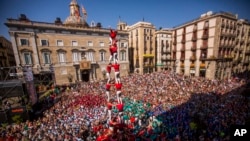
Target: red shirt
[(108, 86), (116, 67), (113, 49), (112, 33), (132, 119), (109, 68), (118, 86), (119, 106), (109, 106)]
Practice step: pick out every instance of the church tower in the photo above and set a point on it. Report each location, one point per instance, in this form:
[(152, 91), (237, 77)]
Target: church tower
[(75, 18), (121, 25)]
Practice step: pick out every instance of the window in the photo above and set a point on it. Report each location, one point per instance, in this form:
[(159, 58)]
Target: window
[(46, 58), (62, 58), (44, 43), (122, 45), (74, 43), (27, 58), (90, 43), (76, 56), (101, 44), (59, 43), (102, 56), (123, 56), (206, 24), (24, 42), (90, 56)]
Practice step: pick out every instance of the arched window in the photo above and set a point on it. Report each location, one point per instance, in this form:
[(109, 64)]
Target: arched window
[(76, 56), (62, 57), (90, 56), (46, 57), (27, 57)]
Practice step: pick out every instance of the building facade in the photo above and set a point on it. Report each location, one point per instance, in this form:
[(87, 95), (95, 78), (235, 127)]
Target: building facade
[(7, 59), (142, 47), (216, 45), (66, 51), (163, 49)]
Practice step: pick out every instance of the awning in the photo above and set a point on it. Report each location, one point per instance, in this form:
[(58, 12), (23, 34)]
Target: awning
[(202, 65), (160, 64), (192, 65), (148, 55)]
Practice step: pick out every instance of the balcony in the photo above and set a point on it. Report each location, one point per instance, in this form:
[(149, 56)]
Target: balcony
[(203, 47), (174, 42), (242, 42), (222, 24), (183, 41), (247, 52), (239, 59), (203, 58), (204, 36), (231, 26), (193, 48), (166, 51), (165, 58), (237, 41), (183, 49), (194, 29), (222, 45), (192, 58), (205, 26), (194, 38), (246, 62)]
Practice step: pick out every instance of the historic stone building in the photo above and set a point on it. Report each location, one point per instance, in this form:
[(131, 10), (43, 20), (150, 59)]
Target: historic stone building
[(66, 51), (216, 45)]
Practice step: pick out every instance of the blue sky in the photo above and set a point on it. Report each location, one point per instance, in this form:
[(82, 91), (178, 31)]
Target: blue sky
[(161, 13)]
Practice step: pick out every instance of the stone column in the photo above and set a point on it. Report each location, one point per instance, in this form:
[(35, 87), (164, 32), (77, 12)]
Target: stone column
[(15, 50), (34, 48)]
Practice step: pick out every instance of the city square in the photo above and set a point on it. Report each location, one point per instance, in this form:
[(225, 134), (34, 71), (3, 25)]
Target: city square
[(75, 80)]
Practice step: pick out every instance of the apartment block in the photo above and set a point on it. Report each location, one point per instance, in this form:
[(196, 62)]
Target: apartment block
[(213, 46), (142, 47)]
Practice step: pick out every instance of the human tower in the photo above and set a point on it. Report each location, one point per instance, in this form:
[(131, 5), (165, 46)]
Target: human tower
[(115, 66)]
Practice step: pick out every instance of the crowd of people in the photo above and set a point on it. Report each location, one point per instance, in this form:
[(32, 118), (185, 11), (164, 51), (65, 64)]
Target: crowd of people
[(157, 106)]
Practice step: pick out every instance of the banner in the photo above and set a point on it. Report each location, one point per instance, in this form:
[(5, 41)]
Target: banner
[(85, 65), (32, 92)]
